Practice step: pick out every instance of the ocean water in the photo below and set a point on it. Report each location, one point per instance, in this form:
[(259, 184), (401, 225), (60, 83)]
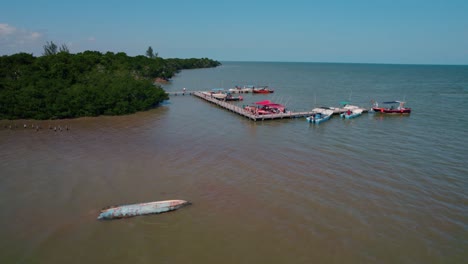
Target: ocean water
[(375, 189)]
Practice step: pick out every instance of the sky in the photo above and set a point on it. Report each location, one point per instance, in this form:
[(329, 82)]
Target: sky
[(350, 31)]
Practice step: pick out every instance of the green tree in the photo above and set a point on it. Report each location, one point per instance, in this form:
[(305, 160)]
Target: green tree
[(150, 53), (64, 48), (50, 49), (64, 85)]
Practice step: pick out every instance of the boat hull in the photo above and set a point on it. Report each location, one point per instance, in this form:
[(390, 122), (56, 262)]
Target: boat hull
[(320, 115), (240, 90), (317, 120), (346, 116), (263, 91), (234, 99), (352, 114), (125, 211), (391, 111)]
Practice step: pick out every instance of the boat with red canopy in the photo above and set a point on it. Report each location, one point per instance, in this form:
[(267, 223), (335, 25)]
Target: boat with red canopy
[(266, 107)]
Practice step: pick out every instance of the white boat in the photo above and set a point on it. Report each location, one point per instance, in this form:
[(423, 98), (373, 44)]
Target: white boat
[(243, 89), (320, 115), (124, 211), (351, 113)]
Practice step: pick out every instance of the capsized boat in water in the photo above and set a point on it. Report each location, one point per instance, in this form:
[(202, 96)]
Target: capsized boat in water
[(124, 211)]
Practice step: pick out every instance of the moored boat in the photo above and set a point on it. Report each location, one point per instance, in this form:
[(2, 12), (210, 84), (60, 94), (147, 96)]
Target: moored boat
[(320, 115), (400, 109), (262, 90), (346, 105), (266, 107), (221, 94), (351, 113), (244, 89), (230, 97)]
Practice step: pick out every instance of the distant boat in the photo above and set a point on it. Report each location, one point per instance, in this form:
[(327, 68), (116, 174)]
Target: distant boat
[(221, 94), (320, 115), (346, 105), (230, 97), (244, 89), (263, 90), (124, 211), (400, 109)]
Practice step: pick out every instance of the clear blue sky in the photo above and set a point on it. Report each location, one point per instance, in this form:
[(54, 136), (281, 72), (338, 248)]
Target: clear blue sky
[(368, 31)]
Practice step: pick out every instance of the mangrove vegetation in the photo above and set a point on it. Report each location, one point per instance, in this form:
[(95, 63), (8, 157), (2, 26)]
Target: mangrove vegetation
[(64, 85)]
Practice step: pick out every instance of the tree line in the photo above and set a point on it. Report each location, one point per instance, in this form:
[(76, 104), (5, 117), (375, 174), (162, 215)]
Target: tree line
[(64, 85)]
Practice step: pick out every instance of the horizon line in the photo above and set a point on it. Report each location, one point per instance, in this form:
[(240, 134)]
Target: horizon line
[(336, 62)]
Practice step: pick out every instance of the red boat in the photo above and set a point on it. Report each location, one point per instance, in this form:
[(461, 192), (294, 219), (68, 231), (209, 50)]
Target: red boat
[(400, 109), (263, 90)]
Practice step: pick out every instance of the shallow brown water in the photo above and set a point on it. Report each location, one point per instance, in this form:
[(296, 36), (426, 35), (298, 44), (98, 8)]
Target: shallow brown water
[(347, 191)]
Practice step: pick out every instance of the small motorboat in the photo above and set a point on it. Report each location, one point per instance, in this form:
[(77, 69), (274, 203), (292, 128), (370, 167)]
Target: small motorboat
[(222, 95), (351, 113), (262, 90), (244, 89), (400, 109), (230, 97), (320, 115)]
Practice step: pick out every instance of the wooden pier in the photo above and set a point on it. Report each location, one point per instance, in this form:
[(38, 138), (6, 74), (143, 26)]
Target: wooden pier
[(245, 113), (180, 93)]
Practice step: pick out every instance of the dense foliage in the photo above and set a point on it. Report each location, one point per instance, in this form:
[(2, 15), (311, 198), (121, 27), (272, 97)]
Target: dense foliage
[(64, 85)]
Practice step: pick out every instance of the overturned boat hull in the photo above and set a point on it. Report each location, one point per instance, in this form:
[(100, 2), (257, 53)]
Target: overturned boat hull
[(124, 211)]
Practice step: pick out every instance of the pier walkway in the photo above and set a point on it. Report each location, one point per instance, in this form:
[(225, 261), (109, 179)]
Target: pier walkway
[(180, 93), (240, 111)]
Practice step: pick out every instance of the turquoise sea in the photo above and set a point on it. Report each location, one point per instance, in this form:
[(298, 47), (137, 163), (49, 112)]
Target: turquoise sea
[(375, 189)]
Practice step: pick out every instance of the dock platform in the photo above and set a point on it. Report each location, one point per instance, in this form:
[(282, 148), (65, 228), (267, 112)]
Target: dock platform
[(245, 113), (255, 117), (180, 93)]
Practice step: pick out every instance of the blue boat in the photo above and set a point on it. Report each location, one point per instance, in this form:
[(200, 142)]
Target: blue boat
[(124, 211), (320, 115)]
